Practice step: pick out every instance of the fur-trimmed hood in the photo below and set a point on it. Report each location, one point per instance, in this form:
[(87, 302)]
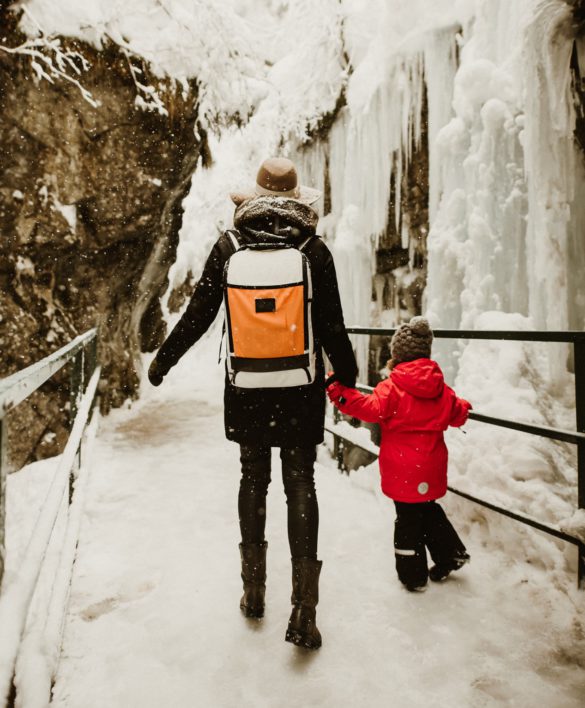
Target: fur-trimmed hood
[(275, 219)]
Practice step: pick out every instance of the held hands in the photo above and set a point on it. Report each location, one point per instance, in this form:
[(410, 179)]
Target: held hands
[(155, 375), (334, 390)]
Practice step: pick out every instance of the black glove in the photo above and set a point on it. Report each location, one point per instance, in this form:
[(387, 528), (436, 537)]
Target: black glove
[(155, 375)]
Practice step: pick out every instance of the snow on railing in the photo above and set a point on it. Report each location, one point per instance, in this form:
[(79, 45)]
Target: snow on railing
[(342, 431), (43, 635), (15, 388)]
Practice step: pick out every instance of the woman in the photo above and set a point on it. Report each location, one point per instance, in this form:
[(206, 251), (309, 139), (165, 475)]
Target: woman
[(277, 211)]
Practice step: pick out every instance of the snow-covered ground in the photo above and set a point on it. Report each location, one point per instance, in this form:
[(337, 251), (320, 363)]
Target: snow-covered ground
[(154, 617)]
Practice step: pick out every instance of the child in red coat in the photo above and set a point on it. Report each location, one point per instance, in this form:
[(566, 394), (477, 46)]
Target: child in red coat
[(413, 406)]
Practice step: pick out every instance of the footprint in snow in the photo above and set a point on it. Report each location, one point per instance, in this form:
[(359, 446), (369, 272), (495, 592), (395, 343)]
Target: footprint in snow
[(103, 607)]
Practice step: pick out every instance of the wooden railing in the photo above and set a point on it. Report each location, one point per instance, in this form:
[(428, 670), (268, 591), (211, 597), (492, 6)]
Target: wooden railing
[(577, 437), (66, 486)]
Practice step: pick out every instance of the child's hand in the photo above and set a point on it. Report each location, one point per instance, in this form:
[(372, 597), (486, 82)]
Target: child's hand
[(329, 378), (334, 391)]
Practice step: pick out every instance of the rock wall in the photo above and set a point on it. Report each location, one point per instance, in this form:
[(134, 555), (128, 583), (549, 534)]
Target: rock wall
[(90, 210)]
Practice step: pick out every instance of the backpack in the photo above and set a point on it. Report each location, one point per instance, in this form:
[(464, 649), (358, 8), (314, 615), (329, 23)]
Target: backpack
[(267, 296)]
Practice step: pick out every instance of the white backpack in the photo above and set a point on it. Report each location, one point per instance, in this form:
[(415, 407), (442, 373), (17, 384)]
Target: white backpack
[(267, 296)]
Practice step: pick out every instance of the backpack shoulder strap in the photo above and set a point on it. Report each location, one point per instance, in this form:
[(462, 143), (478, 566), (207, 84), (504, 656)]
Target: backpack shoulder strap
[(234, 239), (235, 244), (304, 243)]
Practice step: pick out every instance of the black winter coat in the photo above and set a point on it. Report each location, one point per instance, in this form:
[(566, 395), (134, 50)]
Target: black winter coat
[(276, 417)]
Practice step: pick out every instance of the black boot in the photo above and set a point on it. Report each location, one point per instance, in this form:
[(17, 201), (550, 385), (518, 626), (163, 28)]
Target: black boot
[(441, 571), (302, 628), (254, 576)]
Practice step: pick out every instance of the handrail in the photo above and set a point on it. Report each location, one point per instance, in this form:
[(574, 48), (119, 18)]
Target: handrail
[(16, 597), (15, 388), (15, 600), (577, 437), (512, 335), (542, 430)]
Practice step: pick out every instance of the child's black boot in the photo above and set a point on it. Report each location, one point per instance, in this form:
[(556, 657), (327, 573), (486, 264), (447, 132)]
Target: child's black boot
[(440, 571)]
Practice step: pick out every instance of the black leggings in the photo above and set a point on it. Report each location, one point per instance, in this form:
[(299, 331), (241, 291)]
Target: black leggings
[(419, 526), (301, 497)]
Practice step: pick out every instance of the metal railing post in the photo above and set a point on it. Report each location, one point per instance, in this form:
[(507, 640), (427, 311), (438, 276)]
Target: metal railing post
[(335, 437), (337, 442), (579, 351), (76, 390), (76, 384), (3, 473)]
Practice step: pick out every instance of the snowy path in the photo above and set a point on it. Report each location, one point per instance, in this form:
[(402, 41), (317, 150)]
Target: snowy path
[(154, 618)]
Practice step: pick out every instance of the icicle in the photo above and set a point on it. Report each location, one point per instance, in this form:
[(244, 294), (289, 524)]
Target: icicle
[(353, 262), (440, 67), (398, 190)]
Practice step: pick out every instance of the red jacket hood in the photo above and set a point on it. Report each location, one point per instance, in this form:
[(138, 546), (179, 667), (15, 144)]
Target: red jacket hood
[(422, 378)]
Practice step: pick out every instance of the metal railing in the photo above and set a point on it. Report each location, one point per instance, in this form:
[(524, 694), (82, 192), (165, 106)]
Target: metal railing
[(577, 437), (16, 596)]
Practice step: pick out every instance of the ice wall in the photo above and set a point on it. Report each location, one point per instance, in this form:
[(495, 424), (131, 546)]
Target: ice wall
[(550, 161), (503, 169), (504, 253), (369, 146), (500, 237)]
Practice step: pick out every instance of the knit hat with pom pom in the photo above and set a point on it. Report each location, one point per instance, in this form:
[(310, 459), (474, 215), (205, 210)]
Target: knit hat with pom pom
[(412, 340)]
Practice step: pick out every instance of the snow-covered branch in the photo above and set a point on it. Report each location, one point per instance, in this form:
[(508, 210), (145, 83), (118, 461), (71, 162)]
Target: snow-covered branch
[(147, 97), (51, 61)]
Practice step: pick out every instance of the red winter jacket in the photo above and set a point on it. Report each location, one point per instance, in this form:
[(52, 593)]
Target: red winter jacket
[(413, 407)]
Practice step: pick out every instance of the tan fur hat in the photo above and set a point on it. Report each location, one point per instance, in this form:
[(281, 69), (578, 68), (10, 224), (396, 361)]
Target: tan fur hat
[(277, 177), (412, 340)]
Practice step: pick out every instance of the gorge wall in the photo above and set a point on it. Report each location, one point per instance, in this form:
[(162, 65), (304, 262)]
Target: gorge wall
[(90, 210)]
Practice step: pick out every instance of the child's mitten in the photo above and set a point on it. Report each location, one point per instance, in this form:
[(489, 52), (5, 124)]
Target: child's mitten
[(335, 393)]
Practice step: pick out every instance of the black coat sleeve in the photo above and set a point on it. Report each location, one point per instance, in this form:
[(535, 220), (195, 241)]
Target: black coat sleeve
[(331, 327), (200, 313)]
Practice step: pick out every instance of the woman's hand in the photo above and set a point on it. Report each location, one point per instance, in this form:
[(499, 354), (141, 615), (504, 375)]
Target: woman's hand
[(155, 375)]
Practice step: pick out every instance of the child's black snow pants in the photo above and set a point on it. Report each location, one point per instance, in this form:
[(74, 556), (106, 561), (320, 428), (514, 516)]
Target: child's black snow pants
[(301, 498), (420, 526)]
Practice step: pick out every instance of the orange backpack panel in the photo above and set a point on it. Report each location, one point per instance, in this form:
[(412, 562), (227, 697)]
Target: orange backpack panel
[(267, 323)]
